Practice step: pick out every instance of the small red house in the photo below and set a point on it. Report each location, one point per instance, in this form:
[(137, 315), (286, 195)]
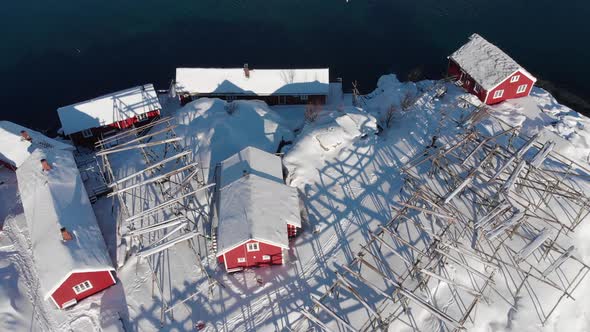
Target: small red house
[(17, 143), (257, 212), (87, 121), (69, 252), (273, 86), (487, 72)]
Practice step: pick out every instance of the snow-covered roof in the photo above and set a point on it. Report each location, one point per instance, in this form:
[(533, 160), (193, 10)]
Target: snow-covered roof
[(487, 64), (262, 82), (256, 208), (108, 109), (254, 203), (52, 200), (15, 150), (251, 160)]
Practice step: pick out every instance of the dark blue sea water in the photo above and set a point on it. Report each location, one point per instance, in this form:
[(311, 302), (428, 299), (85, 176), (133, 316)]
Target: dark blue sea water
[(57, 52)]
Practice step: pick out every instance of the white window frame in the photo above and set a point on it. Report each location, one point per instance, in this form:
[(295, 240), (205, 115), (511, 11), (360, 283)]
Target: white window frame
[(87, 133), (514, 78), (241, 259), (142, 116), (498, 94), (82, 287), (522, 88), (254, 246), (476, 87), (282, 100), (304, 97), (265, 257)]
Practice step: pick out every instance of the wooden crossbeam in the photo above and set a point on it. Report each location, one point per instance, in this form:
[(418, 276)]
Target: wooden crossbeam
[(150, 180), (150, 167), (139, 146)]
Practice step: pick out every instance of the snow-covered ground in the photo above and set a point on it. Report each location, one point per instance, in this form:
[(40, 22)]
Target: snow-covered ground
[(347, 165)]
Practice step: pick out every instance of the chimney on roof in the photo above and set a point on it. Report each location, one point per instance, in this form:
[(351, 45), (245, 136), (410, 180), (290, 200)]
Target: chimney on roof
[(25, 136), (45, 165), (65, 234), (246, 71)]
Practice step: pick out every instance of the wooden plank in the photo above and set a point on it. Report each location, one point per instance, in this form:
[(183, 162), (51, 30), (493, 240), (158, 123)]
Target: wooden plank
[(333, 314), (155, 227), (139, 146), (150, 167), (166, 204), (155, 250), (150, 180)]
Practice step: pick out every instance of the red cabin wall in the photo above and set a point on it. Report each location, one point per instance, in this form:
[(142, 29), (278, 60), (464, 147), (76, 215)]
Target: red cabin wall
[(469, 83), (79, 139), (253, 258), (100, 280), (511, 88)]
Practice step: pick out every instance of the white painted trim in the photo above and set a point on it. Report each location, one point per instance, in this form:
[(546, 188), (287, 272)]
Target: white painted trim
[(83, 287), (68, 275), (225, 261), (242, 260), (253, 250), (523, 71), (54, 302), (245, 241), (112, 278), (498, 94), (513, 80), (264, 257), (526, 86), (70, 303)]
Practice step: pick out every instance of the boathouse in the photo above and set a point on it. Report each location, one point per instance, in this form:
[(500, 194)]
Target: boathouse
[(486, 71), (17, 143), (87, 121), (69, 251), (257, 212), (273, 86)]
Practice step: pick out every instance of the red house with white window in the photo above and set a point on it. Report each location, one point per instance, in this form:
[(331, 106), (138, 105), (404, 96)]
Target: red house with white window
[(69, 252), (87, 121), (487, 72), (257, 212)]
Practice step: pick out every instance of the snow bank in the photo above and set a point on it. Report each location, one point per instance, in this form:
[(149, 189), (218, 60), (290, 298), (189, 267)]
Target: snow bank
[(541, 113), (323, 139), (213, 134)]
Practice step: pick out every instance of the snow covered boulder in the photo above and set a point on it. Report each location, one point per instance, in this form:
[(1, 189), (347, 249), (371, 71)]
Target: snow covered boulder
[(215, 129), (324, 139)]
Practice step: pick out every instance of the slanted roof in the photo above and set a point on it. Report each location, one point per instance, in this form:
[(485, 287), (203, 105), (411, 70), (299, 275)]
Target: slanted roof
[(487, 64), (262, 82), (15, 150), (251, 160), (56, 199), (256, 208), (108, 109)]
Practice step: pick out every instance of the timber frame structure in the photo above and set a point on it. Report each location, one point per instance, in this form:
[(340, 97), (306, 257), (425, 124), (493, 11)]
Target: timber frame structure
[(163, 204), (486, 201)]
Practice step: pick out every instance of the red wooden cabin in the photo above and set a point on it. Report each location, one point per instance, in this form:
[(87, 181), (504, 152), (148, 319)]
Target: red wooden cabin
[(257, 212), (69, 252), (486, 71), (87, 121), (273, 86)]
